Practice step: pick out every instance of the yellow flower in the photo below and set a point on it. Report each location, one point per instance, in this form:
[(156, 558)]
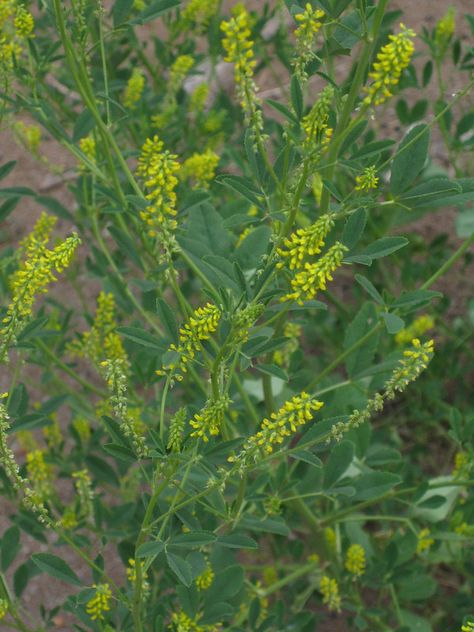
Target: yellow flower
[(309, 23), (199, 12), (331, 539), (306, 242), (462, 465), (367, 180), (205, 579), (175, 435), (157, 168), (53, 435), (355, 560), (4, 605), (286, 421), (425, 542), (181, 622), (100, 602), (282, 356), (314, 276), (444, 31), (88, 148), (210, 419), (24, 23), (468, 626), (7, 9), (420, 326), (178, 72), (199, 97), (330, 592), (39, 473), (201, 168), (134, 89), (316, 122), (414, 362), (132, 577), (239, 48), (29, 136), (392, 59), (200, 326)]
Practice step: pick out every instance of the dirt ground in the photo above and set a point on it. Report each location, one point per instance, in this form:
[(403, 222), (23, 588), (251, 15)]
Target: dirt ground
[(29, 172)]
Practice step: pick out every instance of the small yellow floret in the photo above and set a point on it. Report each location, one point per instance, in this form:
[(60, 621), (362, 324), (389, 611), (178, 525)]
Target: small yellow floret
[(355, 560), (330, 592), (100, 603)]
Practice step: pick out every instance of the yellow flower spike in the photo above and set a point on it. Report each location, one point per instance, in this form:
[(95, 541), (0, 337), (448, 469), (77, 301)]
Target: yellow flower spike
[(134, 90), (239, 48), (314, 276), (29, 136), (444, 31), (179, 71), (330, 592), (414, 362), (4, 606), (181, 622), (208, 422), (203, 322), (198, 99), (420, 326), (309, 24), (88, 148), (200, 168), (205, 579), (99, 605), (199, 12), (367, 180), (23, 23), (36, 242), (282, 356), (315, 123), (468, 627), (305, 242), (425, 541), (392, 59), (355, 560), (7, 10), (294, 413)]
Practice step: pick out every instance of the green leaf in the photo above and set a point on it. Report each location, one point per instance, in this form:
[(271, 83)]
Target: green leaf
[(253, 247), (296, 97), (154, 10), (393, 323), (423, 194), (126, 245), (180, 567), (340, 457), (354, 228), (283, 110), (7, 207), (206, 227), (242, 185), (10, 547), (120, 452), (150, 549), (363, 323), (414, 623), (224, 271), (416, 298), (194, 539), (384, 246), (370, 288), (273, 369), (417, 587), (275, 525), (56, 567), (307, 457), (121, 10), (465, 223), (20, 579), (374, 484), (237, 541), (167, 319), (410, 158), (6, 168), (142, 337)]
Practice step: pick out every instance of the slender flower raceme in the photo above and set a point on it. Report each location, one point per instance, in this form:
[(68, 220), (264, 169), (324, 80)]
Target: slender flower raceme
[(355, 560), (367, 180), (392, 59), (199, 327), (294, 413), (330, 592), (315, 124), (312, 277), (425, 541), (199, 12), (134, 90), (176, 431), (309, 24), (200, 168), (239, 49), (208, 422), (32, 278), (418, 327), (305, 242), (99, 604), (205, 579), (444, 31), (157, 168)]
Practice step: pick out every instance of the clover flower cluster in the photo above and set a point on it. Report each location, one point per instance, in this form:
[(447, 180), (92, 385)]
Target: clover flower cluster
[(200, 326), (367, 179), (468, 626), (355, 561), (88, 147), (444, 31), (282, 356), (200, 168), (99, 604), (419, 326), (199, 13), (463, 464), (392, 59), (181, 622), (176, 431), (205, 579), (239, 48), (134, 89), (315, 123), (35, 273), (157, 168), (414, 362), (294, 413), (29, 136), (16, 26), (305, 242), (425, 541), (198, 99), (242, 321), (330, 592), (208, 422), (309, 24)]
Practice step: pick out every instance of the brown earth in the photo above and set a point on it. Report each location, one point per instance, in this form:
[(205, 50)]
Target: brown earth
[(30, 173)]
